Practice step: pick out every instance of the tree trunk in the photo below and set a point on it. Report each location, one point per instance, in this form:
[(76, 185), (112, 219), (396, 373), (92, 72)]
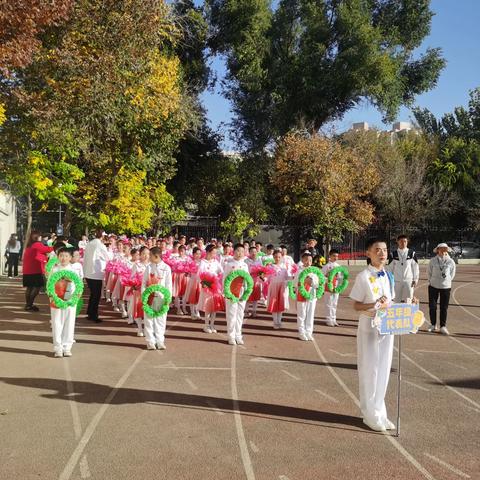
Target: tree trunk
[(28, 230), (67, 221)]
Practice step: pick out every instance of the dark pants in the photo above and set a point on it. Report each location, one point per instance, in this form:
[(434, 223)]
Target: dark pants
[(30, 295), (12, 263), (95, 287), (433, 294)]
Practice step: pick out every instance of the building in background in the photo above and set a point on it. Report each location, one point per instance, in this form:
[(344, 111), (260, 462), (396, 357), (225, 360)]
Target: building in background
[(8, 223)]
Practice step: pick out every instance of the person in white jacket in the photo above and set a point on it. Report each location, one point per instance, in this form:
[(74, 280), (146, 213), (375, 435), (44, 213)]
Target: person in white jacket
[(156, 273), (235, 311), (95, 260), (403, 263), (441, 271)]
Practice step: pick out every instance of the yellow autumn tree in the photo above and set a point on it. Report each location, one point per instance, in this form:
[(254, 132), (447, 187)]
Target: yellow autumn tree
[(3, 117), (325, 184), (131, 209)]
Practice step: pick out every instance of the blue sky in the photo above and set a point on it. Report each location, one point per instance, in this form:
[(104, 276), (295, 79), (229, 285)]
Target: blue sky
[(455, 28)]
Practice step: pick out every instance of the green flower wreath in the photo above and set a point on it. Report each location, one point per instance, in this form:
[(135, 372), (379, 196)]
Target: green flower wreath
[(77, 293), (321, 281), (248, 280), (332, 274), (52, 261), (291, 290), (167, 298), (266, 260)]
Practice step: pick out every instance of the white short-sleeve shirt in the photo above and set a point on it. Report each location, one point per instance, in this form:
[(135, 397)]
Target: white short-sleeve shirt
[(369, 287)]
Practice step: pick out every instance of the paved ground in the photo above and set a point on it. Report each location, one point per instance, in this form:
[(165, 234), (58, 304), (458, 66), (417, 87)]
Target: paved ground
[(277, 408)]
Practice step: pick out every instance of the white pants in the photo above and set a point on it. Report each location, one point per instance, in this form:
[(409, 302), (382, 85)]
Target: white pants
[(305, 317), (252, 306), (63, 327), (194, 310), (154, 329), (331, 301), (234, 314), (210, 319), (277, 319), (403, 290), (374, 359)]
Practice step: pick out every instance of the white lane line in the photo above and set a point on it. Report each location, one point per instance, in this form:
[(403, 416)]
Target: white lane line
[(457, 366), (291, 375), (191, 384), (247, 462), (440, 351), (468, 347), (431, 375), (355, 400), (447, 466), (77, 425), (343, 354), (326, 395), (473, 408), (90, 430), (416, 386), (169, 367), (461, 306), (254, 448), (283, 477), (84, 470), (214, 408)]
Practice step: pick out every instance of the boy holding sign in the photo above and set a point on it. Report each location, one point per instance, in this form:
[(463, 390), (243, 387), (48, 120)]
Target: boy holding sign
[(373, 290)]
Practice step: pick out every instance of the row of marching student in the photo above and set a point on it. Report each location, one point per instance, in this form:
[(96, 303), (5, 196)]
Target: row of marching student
[(202, 282)]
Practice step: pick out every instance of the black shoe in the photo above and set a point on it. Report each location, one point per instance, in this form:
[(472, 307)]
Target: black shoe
[(35, 309), (98, 320), (28, 308)]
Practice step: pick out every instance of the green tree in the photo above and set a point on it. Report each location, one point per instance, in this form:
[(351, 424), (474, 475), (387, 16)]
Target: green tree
[(309, 61)]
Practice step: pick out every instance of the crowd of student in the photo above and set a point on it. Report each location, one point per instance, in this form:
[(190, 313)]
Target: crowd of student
[(193, 275)]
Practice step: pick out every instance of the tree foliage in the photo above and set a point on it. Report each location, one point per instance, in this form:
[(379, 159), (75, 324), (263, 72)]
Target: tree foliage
[(310, 61), (325, 184)]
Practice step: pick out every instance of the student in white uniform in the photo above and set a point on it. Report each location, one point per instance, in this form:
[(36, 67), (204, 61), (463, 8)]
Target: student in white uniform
[(306, 308), (330, 298), (403, 264), (63, 319), (235, 311), (157, 272), (373, 289)]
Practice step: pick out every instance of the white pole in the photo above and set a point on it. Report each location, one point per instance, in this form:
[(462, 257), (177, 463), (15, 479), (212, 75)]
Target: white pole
[(399, 380)]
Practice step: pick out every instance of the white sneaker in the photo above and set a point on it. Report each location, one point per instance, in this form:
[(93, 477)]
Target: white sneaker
[(179, 312), (239, 341), (309, 336), (444, 331), (109, 300), (389, 425), (303, 338), (151, 346), (375, 426), (67, 353), (330, 324), (207, 330), (116, 309), (232, 342), (140, 334), (276, 326), (212, 329), (161, 346), (58, 354), (432, 328)]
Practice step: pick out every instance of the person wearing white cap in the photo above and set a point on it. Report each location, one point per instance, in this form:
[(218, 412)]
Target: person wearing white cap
[(441, 272)]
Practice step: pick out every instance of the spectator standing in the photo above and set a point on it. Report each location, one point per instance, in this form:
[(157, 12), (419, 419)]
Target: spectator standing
[(34, 261), (95, 260), (12, 252), (441, 271)]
